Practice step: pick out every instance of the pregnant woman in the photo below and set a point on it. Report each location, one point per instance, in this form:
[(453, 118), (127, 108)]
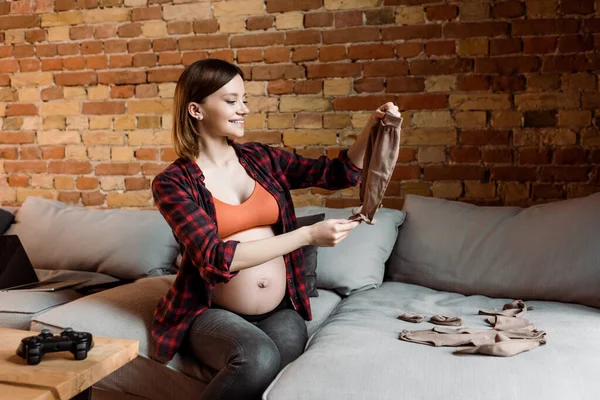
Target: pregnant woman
[(239, 302)]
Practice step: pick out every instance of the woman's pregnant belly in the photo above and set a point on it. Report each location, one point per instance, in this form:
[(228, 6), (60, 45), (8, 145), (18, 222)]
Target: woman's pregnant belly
[(255, 290)]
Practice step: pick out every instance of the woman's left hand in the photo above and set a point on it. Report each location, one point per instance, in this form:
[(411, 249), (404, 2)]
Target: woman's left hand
[(380, 112)]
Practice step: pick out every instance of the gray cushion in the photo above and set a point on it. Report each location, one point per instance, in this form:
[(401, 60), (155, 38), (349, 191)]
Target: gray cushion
[(321, 306), (357, 262), (126, 244), (545, 252), (357, 355)]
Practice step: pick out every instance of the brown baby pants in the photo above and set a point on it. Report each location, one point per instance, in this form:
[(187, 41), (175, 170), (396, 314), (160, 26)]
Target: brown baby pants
[(380, 159)]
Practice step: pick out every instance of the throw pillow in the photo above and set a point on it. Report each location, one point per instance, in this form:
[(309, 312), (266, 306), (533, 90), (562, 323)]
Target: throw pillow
[(6, 219), (357, 262), (126, 244), (544, 252), (310, 256)]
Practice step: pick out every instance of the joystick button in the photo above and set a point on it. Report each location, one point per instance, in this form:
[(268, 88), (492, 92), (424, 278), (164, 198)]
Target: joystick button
[(67, 330), (46, 333)]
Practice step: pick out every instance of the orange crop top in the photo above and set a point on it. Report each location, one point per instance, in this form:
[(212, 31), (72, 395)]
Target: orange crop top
[(261, 209)]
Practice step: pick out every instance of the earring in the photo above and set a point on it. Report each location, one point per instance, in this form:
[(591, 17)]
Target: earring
[(199, 117)]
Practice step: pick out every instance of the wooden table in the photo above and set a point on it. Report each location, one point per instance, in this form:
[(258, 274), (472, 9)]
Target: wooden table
[(58, 376)]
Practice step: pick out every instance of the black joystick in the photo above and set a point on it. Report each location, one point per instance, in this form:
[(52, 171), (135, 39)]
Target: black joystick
[(33, 348)]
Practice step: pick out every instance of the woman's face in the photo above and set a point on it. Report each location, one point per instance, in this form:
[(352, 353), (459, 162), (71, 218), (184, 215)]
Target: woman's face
[(223, 112)]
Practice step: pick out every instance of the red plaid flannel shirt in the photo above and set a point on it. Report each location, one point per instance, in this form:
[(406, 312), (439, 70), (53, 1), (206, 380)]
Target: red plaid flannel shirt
[(187, 206)]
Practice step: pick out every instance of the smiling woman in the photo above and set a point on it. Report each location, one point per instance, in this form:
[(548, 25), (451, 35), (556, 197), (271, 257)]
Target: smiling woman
[(239, 300)]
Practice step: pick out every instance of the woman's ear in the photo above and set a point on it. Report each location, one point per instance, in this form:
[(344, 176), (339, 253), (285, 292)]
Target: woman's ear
[(195, 111)]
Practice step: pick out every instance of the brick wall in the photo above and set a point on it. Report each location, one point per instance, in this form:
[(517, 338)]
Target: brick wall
[(500, 98)]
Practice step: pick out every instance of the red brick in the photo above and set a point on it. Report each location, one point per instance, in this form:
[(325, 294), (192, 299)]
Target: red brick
[(8, 153), (130, 30), (52, 93), (121, 77), (146, 91), (441, 13), (21, 109), (532, 27), (508, 9), (87, 183), (318, 19), (122, 92), (45, 50), (81, 32), (569, 156), (105, 31), (115, 46), (505, 46), (370, 51), (261, 22), (511, 173), (165, 44), (496, 155), (25, 166), (591, 25), (138, 183), (96, 62), (69, 197), (249, 55), (308, 87), (277, 54), (64, 5), (92, 198), (507, 65), (220, 41), (540, 119), (547, 191), (4, 80), (118, 169), (564, 174), (103, 107), (19, 22), (341, 202), (332, 53), (16, 138), (145, 60), (225, 55), (74, 63), (274, 6), (282, 71), (571, 63), (53, 152), (146, 154), (181, 27), (69, 167), (9, 66), (582, 7), (309, 53), (406, 155), (422, 101), (510, 83), (24, 51), (534, 156), (164, 74), (441, 66), (473, 83), (482, 137), (18, 181), (35, 35), (345, 19), (369, 85), (453, 172), (121, 61), (429, 31), (172, 58), (406, 172), (440, 48), (280, 87), (139, 45), (309, 36), (409, 49), (464, 155), (249, 40), (332, 70), (404, 85), (145, 14), (206, 26), (539, 45), (385, 68), (575, 44), (67, 49), (475, 29), (76, 78), (357, 103)]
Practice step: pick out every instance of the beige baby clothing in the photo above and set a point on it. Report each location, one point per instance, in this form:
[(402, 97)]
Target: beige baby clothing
[(380, 160), (412, 317), (446, 320)]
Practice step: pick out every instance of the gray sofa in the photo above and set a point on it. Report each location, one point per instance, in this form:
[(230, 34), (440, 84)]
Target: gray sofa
[(435, 257)]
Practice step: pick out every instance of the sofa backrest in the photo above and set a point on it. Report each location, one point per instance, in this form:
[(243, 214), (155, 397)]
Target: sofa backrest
[(544, 252)]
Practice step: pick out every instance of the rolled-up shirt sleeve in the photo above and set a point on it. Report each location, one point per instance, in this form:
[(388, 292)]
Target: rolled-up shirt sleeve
[(302, 172), (193, 228)]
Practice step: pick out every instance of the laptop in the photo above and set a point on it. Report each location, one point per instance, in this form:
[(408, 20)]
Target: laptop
[(17, 272)]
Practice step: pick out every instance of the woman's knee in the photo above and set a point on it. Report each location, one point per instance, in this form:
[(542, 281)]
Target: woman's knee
[(258, 362)]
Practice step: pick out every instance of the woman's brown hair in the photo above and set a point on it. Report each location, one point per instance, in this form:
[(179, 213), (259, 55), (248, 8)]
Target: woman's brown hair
[(198, 81)]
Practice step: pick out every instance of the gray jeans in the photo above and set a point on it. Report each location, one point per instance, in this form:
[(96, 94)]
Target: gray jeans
[(247, 355)]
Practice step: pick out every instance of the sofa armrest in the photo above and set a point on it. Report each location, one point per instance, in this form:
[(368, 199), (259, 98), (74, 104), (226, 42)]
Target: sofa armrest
[(122, 312)]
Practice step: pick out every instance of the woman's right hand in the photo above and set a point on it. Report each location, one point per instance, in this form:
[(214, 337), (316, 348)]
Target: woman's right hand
[(330, 232)]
